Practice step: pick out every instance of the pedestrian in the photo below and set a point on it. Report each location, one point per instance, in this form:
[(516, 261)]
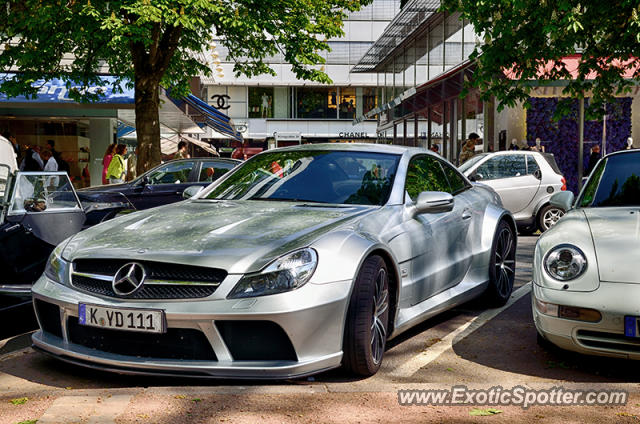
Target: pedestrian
[(538, 147), (182, 151), (117, 169), (106, 161), (132, 163), (32, 161), (594, 157), (435, 149), (62, 164), (469, 148), (514, 144), (50, 165), (14, 142)]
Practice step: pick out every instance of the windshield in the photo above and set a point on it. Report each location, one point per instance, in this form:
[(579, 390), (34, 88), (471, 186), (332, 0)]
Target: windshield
[(337, 177), (40, 192), (468, 164), (614, 182)]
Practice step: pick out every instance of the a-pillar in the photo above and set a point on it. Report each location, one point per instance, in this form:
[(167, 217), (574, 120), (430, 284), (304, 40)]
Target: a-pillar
[(100, 136)]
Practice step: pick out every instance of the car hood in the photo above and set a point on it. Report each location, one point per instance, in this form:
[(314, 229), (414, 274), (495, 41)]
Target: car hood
[(616, 237), (238, 236)]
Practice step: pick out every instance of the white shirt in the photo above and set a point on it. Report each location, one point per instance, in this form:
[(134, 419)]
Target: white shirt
[(51, 166)]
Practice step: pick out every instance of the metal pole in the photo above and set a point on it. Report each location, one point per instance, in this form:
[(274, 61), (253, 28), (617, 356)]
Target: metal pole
[(604, 135), (429, 141), (580, 142), (415, 131)]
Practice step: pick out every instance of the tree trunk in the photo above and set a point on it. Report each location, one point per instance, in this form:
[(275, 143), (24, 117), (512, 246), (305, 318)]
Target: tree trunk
[(147, 122)]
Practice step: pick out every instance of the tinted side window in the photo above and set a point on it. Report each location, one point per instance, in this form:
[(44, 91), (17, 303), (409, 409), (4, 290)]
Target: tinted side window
[(532, 165), (425, 174), (456, 181), (503, 166), (171, 173), (211, 171)]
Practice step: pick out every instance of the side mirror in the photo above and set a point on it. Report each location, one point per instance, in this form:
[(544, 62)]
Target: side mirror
[(191, 191), (563, 200), (476, 177), (433, 202)]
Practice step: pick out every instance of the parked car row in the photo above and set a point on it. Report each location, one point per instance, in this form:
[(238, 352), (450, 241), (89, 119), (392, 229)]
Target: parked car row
[(308, 258)]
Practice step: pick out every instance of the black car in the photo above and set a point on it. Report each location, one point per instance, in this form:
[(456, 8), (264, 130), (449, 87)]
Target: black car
[(163, 184)]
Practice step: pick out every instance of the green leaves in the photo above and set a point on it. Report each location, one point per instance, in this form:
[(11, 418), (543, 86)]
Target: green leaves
[(529, 35), (477, 412), (19, 401)]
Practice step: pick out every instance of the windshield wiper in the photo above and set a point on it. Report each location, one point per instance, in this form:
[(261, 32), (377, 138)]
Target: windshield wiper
[(281, 199)]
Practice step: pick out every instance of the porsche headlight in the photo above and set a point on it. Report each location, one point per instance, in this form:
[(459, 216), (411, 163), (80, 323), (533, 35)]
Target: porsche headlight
[(57, 269), (289, 272), (565, 262)]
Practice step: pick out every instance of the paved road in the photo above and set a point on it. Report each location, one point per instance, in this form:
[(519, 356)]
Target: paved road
[(466, 346)]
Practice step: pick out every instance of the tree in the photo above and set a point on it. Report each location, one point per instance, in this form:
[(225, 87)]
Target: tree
[(153, 43), (530, 37)]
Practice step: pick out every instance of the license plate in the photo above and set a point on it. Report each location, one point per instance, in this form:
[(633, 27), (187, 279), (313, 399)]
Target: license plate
[(144, 320), (631, 326)]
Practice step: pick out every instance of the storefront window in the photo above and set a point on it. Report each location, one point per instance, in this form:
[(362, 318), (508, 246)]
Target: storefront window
[(261, 102), (369, 100), (347, 105), (319, 103)]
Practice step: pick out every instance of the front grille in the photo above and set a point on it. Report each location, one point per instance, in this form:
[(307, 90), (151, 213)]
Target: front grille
[(49, 317), (256, 341), (165, 281), (176, 343), (611, 341)]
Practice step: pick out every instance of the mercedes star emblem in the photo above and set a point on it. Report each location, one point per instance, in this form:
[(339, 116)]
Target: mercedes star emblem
[(128, 279)]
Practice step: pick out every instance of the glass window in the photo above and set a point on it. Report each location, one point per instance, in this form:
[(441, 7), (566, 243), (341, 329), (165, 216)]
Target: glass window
[(42, 192), (347, 105), (614, 182), (321, 103), (456, 181), (213, 170), (503, 166), (320, 176), (260, 102), (171, 173), (369, 99), (425, 174), (532, 165)]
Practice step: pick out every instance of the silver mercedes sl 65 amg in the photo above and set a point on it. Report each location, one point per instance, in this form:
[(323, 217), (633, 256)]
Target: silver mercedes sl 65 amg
[(298, 261)]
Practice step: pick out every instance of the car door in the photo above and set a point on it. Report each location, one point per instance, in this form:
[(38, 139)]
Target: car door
[(165, 184), (433, 237), (507, 175)]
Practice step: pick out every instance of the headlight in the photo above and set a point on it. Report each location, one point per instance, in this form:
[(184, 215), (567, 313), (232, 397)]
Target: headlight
[(284, 274), (57, 269), (565, 262)]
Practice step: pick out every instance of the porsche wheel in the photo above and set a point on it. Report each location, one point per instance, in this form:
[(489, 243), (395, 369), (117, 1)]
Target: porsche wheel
[(502, 268), (365, 334)]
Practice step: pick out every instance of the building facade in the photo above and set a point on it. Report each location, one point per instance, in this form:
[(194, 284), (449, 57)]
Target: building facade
[(282, 110)]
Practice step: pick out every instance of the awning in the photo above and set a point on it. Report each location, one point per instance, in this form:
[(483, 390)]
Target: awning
[(212, 117), (169, 144)]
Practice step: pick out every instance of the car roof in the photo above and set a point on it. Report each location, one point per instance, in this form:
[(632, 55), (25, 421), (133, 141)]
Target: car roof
[(202, 159), (622, 152), (357, 147)]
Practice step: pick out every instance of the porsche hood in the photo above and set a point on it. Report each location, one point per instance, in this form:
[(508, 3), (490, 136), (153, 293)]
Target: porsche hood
[(238, 236), (616, 237)]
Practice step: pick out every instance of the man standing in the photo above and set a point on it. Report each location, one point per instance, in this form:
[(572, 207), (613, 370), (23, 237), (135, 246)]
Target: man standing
[(182, 151), (50, 165), (594, 157), (62, 165)]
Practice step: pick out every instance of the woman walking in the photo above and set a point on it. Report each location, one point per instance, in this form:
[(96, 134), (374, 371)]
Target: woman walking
[(117, 169), (106, 161)]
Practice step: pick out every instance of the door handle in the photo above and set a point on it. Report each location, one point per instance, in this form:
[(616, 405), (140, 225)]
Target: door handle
[(466, 214)]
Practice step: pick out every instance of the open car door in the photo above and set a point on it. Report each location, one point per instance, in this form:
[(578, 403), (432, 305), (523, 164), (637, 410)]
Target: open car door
[(40, 210)]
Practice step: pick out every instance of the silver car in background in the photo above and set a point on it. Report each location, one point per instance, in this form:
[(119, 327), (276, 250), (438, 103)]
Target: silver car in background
[(585, 270), (297, 261), (525, 181)]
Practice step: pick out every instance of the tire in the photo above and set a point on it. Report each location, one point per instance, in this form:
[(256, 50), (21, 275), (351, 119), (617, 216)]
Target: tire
[(365, 334), (548, 216), (502, 266)]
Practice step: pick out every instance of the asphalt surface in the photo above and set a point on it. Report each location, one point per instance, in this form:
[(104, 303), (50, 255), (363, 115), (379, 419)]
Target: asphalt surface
[(469, 345)]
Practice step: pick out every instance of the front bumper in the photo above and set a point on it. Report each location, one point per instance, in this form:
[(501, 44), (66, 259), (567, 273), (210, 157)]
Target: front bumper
[(310, 321), (604, 338)]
